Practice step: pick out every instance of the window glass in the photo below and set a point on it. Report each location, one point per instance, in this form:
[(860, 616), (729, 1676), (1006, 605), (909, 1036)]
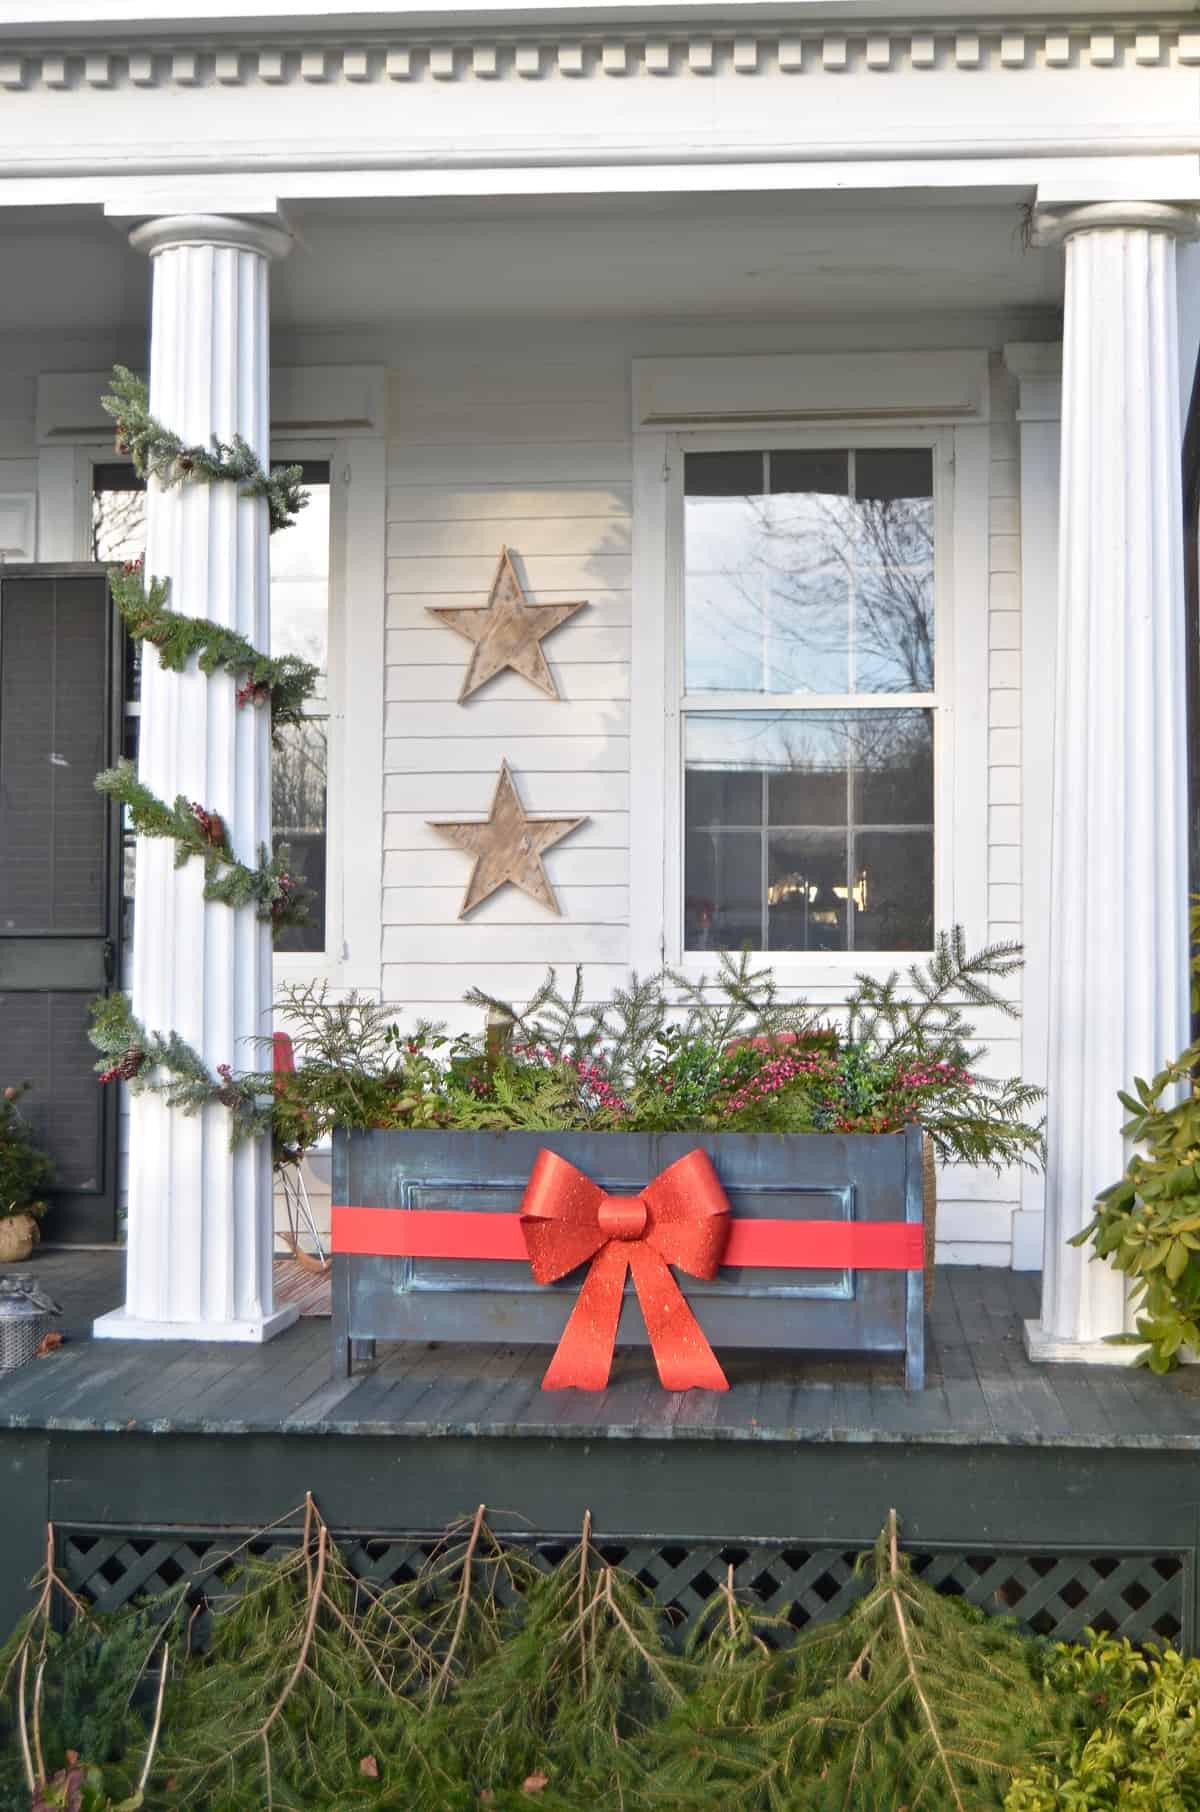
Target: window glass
[(809, 830), (809, 571), (299, 625), (299, 759)]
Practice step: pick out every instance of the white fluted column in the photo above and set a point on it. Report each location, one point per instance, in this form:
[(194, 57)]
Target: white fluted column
[(1118, 890), (200, 1215)]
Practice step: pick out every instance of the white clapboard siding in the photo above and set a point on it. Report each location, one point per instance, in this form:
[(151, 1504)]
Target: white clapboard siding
[(425, 985), (566, 462), (407, 610), (576, 683), (571, 575), (427, 643), (479, 940), (459, 415), (416, 870), (428, 905), (525, 537), (536, 715), (563, 755), (494, 504), (436, 793), (606, 834)]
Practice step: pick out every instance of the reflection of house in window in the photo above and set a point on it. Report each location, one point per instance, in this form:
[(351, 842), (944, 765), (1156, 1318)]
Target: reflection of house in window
[(299, 625)]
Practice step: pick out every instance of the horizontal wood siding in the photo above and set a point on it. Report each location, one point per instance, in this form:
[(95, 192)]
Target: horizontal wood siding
[(547, 474)]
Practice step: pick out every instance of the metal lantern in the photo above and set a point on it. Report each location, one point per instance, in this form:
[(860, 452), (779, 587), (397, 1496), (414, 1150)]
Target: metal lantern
[(25, 1315)]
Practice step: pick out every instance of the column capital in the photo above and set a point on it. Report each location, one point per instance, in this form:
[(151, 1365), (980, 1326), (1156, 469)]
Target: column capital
[(170, 230), (1051, 225)]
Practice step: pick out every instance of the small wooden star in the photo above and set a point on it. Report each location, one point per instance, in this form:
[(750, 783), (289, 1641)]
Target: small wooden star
[(507, 845), (507, 632)]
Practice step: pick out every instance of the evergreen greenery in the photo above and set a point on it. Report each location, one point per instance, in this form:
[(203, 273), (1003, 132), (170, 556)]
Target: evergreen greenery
[(166, 1064), (158, 453), (269, 887), (25, 1171), (1148, 1224), (284, 682), (485, 1681)]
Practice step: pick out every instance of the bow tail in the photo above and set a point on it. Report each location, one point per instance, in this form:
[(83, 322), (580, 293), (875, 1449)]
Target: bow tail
[(583, 1357), (682, 1354)]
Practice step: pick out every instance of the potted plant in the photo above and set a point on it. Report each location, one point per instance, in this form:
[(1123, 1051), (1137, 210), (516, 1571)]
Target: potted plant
[(25, 1174), (787, 1107)]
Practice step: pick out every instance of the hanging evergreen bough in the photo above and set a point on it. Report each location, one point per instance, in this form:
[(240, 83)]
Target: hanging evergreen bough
[(486, 1682), (158, 453), (166, 1064), (271, 888), (283, 682)]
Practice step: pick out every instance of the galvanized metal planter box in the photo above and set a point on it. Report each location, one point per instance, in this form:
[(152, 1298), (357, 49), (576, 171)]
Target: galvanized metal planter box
[(856, 1178)]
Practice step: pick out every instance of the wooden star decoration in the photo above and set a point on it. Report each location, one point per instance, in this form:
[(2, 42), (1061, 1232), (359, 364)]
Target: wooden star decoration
[(507, 845), (507, 632)]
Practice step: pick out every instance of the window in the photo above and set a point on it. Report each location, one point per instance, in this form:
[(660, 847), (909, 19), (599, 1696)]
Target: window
[(808, 698), (299, 625), (300, 757)]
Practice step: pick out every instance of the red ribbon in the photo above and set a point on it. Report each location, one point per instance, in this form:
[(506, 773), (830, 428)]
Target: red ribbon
[(681, 1218)]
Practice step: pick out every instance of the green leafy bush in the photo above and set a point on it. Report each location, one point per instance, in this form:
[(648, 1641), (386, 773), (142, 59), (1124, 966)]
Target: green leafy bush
[(25, 1171), (1148, 1224), (1137, 1745)]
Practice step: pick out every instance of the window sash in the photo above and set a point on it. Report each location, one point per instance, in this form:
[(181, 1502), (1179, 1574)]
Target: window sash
[(681, 704)]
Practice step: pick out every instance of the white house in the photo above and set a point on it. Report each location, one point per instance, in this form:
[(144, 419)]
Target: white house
[(579, 279)]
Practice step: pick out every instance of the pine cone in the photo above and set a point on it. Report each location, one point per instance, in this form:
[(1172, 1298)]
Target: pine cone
[(128, 1066)]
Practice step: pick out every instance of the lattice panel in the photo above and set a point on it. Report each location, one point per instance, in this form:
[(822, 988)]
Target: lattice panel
[(1141, 1596)]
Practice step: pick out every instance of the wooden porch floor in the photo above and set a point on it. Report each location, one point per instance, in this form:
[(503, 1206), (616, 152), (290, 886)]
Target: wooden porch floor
[(982, 1390)]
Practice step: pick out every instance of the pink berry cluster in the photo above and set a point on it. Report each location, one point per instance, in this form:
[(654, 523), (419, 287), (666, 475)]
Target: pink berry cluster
[(776, 1075), (596, 1087), (254, 692), (942, 1074)]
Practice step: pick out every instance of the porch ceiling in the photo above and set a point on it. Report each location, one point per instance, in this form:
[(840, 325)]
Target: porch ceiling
[(375, 264)]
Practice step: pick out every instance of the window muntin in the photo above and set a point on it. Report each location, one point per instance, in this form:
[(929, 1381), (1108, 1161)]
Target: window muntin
[(809, 586), (300, 566)]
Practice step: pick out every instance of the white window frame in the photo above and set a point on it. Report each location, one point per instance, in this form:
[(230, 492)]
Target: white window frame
[(351, 397), (874, 407)]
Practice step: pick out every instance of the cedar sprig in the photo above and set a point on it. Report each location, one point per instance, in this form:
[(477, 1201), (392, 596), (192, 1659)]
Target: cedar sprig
[(158, 453), (270, 887), (285, 681)]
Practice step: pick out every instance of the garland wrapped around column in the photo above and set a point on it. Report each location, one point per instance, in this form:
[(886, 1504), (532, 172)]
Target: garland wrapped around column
[(283, 683)]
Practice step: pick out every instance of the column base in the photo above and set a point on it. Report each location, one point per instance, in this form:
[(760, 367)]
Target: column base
[(254, 1331), (1050, 1349)]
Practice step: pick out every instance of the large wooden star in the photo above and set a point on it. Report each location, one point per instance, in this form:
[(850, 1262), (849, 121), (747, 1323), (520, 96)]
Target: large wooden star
[(507, 632), (507, 846)]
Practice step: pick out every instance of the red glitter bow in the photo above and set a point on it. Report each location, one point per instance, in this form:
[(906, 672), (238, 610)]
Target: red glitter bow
[(681, 1218)]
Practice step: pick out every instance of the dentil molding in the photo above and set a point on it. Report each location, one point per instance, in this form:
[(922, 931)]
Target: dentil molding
[(572, 54)]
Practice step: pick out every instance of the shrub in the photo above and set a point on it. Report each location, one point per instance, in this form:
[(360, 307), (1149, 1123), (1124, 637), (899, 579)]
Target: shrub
[(1148, 1224), (1137, 1748), (25, 1172)]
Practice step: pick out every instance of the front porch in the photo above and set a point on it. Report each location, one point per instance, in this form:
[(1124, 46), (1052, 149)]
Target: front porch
[(1064, 1496)]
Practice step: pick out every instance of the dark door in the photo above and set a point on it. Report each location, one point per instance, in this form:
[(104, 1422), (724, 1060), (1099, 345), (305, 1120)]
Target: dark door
[(59, 895)]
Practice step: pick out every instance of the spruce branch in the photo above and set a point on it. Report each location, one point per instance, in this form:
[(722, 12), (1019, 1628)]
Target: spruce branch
[(168, 1066), (284, 682), (270, 887), (158, 453)]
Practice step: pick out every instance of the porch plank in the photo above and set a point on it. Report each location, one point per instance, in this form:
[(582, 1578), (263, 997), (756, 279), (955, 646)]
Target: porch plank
[(982, 1389)]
